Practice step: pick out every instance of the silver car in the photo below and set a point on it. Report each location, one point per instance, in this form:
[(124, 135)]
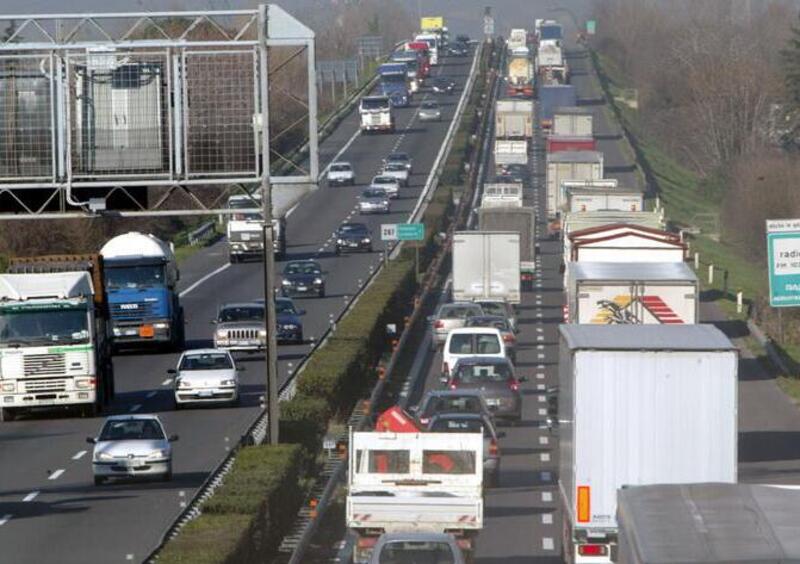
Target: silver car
[(132, 446), (341, 173), (388, 183), (449, 317), (206, 376), (398, 171), (240, 327), (430, 111), (416, 546), (373, 200)]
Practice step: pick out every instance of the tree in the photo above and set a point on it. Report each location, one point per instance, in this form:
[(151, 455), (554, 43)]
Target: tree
[(791, 65)]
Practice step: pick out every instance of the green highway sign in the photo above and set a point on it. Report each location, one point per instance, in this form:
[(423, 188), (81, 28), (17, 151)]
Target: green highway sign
[(410, 231), (783, 261), (591, 27)]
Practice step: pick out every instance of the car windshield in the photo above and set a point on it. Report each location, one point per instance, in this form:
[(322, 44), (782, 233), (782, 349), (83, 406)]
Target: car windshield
[(134, 276), (374, 193), (416, 552), (430, 106), (21, 326), (302, 268), (285, 306), (353, 230), (474, 343), (399, 157), (458, 404), (383, 180), (241, 313), (399, 78), (483, 373), (458, 312), (206, 361), (340, 168), (243, 202), (132, 430), (395, 167)]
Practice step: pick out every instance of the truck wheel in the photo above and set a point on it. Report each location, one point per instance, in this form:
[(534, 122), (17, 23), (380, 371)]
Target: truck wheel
[(7, 414), (179, 334), (99, 480)]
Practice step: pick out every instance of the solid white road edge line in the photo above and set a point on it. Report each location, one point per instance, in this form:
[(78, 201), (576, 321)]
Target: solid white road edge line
[(211, 274)]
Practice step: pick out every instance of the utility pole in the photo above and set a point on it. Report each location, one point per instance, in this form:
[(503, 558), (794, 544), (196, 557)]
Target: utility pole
[(269, 251)]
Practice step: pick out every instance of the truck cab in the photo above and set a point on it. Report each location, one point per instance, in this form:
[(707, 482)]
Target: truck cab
[(432, 41), (245, 229), (375, 113), (141, 276), (394, 83), (413, 64)]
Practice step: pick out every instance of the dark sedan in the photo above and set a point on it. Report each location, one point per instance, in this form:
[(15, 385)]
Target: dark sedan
[(353, 237), (303, 278), (290, 327), (495, 379)]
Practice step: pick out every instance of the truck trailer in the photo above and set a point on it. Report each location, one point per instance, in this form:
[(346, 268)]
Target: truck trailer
[(486, 266), (639, 405), (552, 96), (625, 243), (569, 165), (502, 195), (582, 199), (510, 152), (521, 220), (513, 119), (572, 121)]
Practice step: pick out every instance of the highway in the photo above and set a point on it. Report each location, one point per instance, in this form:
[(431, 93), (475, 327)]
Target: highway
[(50, 511)]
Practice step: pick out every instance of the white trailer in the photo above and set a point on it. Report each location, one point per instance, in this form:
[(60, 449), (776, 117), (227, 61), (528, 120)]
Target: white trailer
[(572, 121), (404, 482), (516, 39), (626, 243), (607, 293), (486, 266), (580, 199), (708, 524), (513, 119), (584, 221), (502, 195), (508, 152), (569, 165), (517, 219), (639, 405)]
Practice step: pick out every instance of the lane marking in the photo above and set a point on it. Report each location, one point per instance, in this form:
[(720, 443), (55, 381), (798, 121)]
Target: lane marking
[(540, 387), (546, 476), (167, 382), (539, 314), (208, 276), (542, 398), (540, 376), (540, 367), (547, 518), (547, 497), (545, 457), (540, 356), (542, 411), (136, 407), (548, 544), (544, 440), (151, 395), (56, 475), (78, 455), (539, 330), (30, 497), (5, 519), (540, 347), (540, 338)]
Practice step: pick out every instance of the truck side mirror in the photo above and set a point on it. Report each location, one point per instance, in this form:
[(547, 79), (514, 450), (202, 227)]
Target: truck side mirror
[(213, 322)]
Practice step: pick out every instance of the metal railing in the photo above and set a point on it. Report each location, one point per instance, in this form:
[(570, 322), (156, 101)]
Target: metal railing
[(202, 233)]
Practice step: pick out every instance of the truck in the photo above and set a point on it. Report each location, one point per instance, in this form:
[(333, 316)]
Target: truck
[(502, 195), (516, 39), (607, 293), (510, 151), (423, 55), (486, 266), (519, 75), (414, 481), (707, 523), (55, 347), (375, 114), (513, 119), (551, 65), (521, 220), (639, 405), (394, 84), (572, 222), (556, 143), (569, 165), (581, 199), (432, 41), (413, 63), (552, 96), (141, 280), (572, 121), (550, 30), (625, 243), (245, 229)]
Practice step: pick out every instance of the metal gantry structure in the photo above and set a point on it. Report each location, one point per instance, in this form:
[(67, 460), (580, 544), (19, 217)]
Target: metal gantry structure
[(146, 113)]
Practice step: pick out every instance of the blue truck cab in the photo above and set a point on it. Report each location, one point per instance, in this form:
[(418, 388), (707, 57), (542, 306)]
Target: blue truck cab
[(394, 83), (141, 276)]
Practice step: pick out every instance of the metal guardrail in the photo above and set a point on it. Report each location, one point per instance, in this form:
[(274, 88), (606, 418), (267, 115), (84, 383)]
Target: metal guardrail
[(202, 233)]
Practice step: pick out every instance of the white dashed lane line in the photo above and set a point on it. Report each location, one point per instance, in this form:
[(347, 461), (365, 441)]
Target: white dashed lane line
[(151, 394), (30, 497), (136, 407), (167, 382), (548, 544), (547, 518), (547, 497), (78, 455), (5, 519), (56, 475)]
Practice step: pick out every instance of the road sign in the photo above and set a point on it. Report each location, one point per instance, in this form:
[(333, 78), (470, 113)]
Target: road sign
[(431, 23), (410, 231), (591, 27), (488, 25), (783, 259), (389, 232)]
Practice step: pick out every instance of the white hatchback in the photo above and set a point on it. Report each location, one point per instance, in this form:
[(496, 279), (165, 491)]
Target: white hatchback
[(471, 341), (206, 376), (388, 183)]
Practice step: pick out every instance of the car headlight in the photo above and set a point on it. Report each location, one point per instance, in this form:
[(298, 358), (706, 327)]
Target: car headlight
[(317, 280), (222, 334), (262, 332), (289, 326), (8, 386), (386, 202), (365, 240), (104, 456), (183, 384), (340, 241), (227, 383), (156, 454), (286, 282)]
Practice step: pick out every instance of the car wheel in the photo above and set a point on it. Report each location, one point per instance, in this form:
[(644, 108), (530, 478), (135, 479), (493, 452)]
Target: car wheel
[(321, 293), (338, 251), (99, 480), (369, 249), (167, 477), (233, 259)]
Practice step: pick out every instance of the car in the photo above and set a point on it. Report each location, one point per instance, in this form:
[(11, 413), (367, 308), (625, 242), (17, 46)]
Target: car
[(495, 379), (402, 158), (240, 327), (461, 38), (341, 174), (416, 546), (474, 423), (398, 171), (374, 200), (353, 237), (485, 342), (430, 111), (132, 446), (303, 278), (501, 323), (205, 376), (449, 401), (458, 50), (289, 324), (499, 307), (388, 183), (520, 172), (443, 85), (448, 317)]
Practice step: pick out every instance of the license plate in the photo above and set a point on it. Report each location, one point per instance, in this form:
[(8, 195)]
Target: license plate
[(205, 394), (130, 332), (492, 402), (131, 463), (352, 244), (302, 288), (245, 236), (146, 331)]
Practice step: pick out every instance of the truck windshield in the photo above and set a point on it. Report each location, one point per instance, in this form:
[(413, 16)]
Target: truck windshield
[(374, 104), (51, 326), (139, 276), (393, 78)]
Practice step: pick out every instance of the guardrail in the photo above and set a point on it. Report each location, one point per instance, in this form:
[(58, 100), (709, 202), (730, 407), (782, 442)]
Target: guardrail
[(202, 233)]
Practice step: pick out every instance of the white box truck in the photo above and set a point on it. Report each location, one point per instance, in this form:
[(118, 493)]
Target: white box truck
[(639, 405), (486, 265), (409, 482), (626, 243), (572, 121), (708, 523), (523, 221), (502, 195), (510, 152), (582, 221), (569, 165), (607, 293), (513, 119), (580, 199)]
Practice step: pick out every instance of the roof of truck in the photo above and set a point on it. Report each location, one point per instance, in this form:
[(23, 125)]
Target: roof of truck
[(573, 110), (711, 523), (575, 157), (631, 271), (135, 244), (55, 285), (702, 337)]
